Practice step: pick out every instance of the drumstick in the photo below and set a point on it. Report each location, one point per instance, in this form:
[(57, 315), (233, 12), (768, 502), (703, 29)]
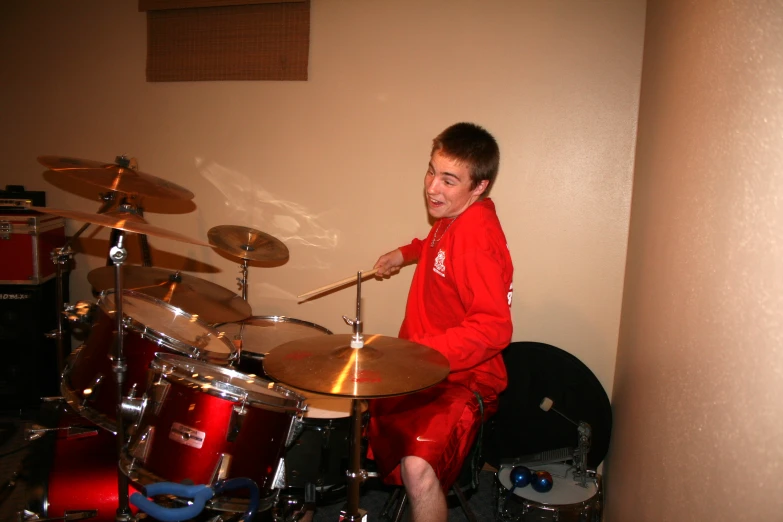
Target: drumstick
[(336, 284)]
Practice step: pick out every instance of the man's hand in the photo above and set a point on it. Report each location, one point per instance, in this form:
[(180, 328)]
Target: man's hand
[(389, 263)]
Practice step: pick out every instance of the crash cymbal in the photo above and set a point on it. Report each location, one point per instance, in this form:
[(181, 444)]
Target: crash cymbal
[(247, 243), (113, 176), (119, 223), (384, 367), (210, 302)]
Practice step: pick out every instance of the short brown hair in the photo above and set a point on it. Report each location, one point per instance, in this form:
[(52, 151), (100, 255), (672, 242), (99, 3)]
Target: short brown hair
[(472, 146)]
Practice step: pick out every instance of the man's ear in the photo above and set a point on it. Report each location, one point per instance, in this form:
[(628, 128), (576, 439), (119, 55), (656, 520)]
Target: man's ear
[(480, 188)]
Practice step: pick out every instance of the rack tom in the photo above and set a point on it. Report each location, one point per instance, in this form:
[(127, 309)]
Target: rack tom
[(203, 423), (151, 326), (258, 335)]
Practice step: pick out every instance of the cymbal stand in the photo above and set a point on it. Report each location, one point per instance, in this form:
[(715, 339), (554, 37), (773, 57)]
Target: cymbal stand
[(129, 208), (242, 281), (355, 475), (62, 258), (118, 255)]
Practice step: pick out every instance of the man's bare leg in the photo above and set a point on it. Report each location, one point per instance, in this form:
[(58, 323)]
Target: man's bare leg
[(428, 503)]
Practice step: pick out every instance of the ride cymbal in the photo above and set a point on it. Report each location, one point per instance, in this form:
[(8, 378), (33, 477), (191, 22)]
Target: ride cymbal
[(113, 176), (384, 367), (210, 302), (119, 223), (247, 243)]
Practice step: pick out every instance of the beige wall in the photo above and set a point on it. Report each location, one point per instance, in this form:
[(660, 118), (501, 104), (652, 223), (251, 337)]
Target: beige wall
[(334, 166), (699, 377)]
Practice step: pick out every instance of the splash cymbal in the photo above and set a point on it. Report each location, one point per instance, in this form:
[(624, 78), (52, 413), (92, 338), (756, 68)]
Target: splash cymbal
[(119, 223), (210, 302), (113, 176), (247, 243), (384, 367)]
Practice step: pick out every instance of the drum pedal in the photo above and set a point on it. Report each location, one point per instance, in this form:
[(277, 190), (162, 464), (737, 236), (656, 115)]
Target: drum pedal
[(541, 457)]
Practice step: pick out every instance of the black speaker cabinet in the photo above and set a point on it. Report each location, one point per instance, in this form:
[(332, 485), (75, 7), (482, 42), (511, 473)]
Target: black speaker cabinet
[(28, 359)]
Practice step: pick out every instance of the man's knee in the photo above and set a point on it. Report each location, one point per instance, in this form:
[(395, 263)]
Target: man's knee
[(418, 475)]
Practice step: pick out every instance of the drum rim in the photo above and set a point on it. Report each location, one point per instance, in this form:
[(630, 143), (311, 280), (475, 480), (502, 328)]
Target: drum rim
[(278, 319), (166, 340), (74, 402), (593, 476), (170, 365)]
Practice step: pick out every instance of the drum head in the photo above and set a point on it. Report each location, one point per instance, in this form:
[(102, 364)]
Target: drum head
[(261, 334), (520, 427), (226, 383), (565, 489), (171, 326)]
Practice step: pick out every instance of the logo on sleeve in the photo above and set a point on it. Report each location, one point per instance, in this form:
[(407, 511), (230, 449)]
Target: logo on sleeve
[(440, 266), (510, 293)]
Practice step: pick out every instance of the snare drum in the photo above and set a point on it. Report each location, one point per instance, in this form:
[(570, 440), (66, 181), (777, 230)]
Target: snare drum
[(320, 453), (260, 334), (151, 325), (204, 423), (567, 501)]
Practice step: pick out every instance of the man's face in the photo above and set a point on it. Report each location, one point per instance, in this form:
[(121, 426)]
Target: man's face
[(447, 187)]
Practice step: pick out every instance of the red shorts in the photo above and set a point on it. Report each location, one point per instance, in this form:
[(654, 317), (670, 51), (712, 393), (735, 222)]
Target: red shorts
[(438, 424)]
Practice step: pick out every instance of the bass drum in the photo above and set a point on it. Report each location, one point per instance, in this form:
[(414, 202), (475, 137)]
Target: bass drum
[(567, 501), (320, 453), (520, 427), (88, 382), (258, 335)]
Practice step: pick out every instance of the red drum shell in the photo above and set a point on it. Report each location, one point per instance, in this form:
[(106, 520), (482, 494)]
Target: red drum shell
[(185, 433), (83, 474), (154, 327)]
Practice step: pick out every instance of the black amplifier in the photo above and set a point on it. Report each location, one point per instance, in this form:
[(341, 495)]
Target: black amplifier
[(16, 198)]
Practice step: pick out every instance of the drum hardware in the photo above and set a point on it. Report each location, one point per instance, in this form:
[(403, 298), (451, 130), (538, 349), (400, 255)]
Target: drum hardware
[(207, 301), (585, 433), (80, 317), (542, 457), (84, 514), (118, 255), (356, 366), (132, 408), (37, 431), (62, 259)]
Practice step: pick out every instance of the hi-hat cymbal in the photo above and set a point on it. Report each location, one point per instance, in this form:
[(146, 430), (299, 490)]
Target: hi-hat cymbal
[(113, 176), (119, 223), (247, 243), (384, 367), (210, 302)]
